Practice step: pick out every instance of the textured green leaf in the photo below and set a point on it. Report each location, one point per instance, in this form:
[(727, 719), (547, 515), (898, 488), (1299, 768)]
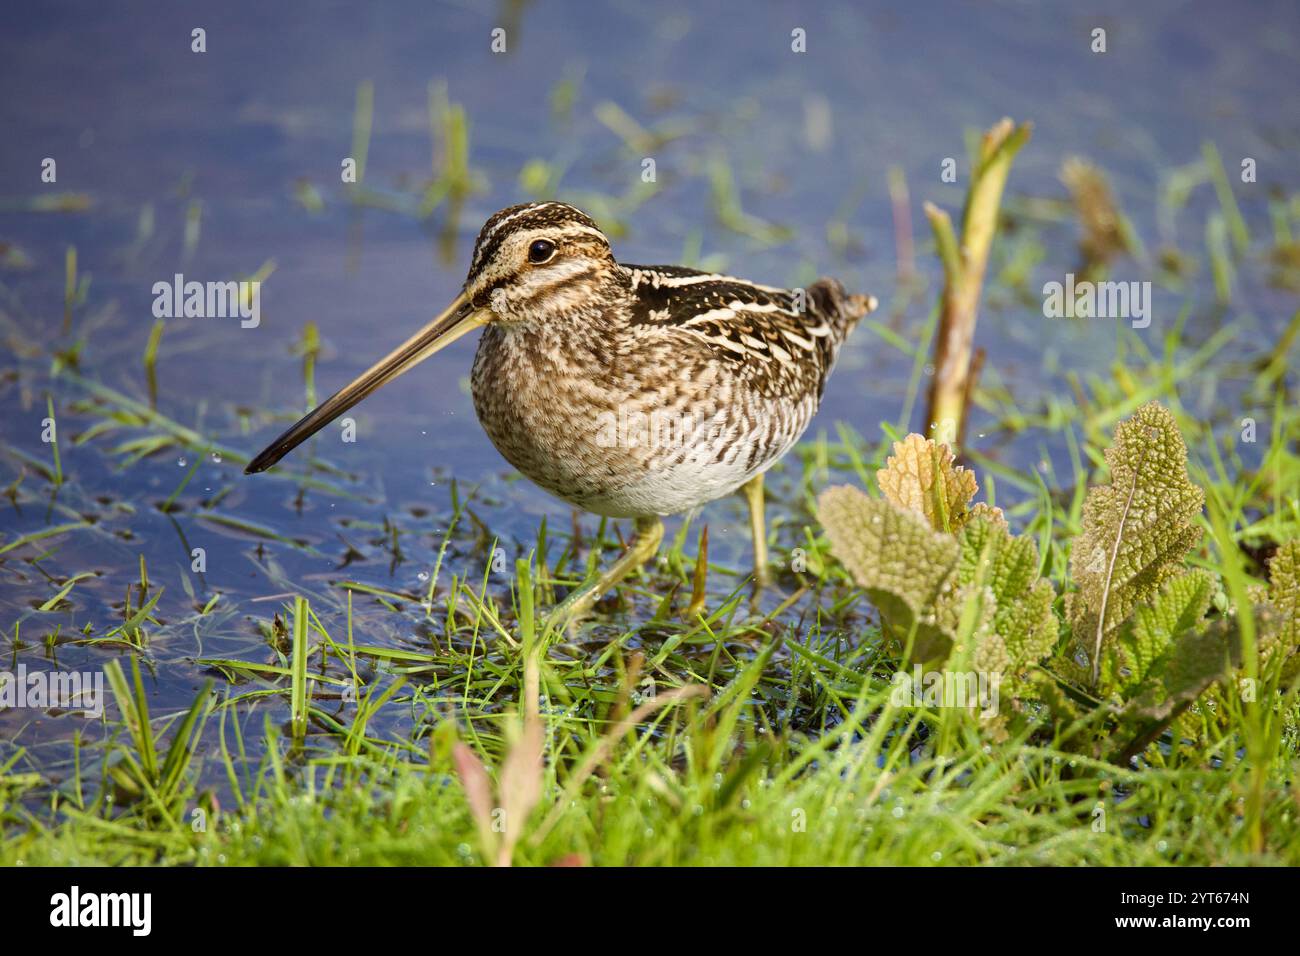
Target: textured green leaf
[(1194, 662), (1023, 629), (922, 476), (1179, 660), (1136, 530), (980, 587), (895, 557), (1147, 637), (1280, 629)]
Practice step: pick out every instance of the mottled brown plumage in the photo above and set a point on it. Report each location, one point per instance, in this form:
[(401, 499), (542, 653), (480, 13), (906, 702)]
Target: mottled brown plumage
[(641, 390), (629, 391)]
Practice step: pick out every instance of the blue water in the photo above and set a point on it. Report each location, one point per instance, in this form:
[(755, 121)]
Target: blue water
[(150, 130)]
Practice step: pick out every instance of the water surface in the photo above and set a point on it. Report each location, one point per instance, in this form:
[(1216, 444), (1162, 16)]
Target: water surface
[(197, 163)]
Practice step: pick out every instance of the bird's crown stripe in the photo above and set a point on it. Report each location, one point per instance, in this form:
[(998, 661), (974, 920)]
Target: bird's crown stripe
[(492, 238)]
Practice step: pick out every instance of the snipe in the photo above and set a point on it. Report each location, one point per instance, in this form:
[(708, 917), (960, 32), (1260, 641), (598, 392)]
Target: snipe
[(628, 391)]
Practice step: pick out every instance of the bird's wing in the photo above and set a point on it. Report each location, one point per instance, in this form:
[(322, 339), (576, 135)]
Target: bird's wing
[(773, 331)]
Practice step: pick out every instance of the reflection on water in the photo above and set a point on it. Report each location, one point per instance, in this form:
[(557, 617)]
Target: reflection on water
[(768, 163)]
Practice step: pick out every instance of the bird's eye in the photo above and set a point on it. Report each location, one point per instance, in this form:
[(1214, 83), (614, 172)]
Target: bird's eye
[(540, 251)]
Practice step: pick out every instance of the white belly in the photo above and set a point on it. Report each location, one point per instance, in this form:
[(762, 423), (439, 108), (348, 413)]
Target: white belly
[(673, 490)]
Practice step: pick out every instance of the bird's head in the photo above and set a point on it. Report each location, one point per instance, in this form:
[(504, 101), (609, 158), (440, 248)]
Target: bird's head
[(532, 262), (537, 261)]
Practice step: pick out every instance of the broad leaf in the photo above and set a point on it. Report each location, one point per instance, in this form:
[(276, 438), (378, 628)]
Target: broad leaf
[(900, 562), (1195, 661), (1154, 628), (1136, 531), (1280, 628), (922, 477), (1023, 628)]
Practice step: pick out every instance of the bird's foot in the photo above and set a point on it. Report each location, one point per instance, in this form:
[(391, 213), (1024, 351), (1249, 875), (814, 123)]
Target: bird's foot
[(573, 610), (570, 612)]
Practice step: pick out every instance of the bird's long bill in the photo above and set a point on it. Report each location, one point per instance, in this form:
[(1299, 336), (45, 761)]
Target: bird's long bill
[(457, 319)]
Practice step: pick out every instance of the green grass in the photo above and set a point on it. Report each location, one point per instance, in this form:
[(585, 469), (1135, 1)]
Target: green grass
[(701, 781), (766, 741), (683, 727)]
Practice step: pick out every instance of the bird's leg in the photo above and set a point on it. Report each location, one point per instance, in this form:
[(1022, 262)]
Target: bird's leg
[(649, 534), (753, 490)]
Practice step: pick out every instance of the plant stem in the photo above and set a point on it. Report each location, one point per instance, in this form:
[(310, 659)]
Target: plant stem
[(964, 264)]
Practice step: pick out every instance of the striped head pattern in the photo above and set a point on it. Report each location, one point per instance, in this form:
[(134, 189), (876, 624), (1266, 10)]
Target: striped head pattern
[(539, 260)]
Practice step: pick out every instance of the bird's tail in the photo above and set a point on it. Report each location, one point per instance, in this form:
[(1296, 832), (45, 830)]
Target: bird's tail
[(842, 310), (860, 306)]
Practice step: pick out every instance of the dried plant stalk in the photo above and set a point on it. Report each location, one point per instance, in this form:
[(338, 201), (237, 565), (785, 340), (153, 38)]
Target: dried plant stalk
[(963, 268)]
